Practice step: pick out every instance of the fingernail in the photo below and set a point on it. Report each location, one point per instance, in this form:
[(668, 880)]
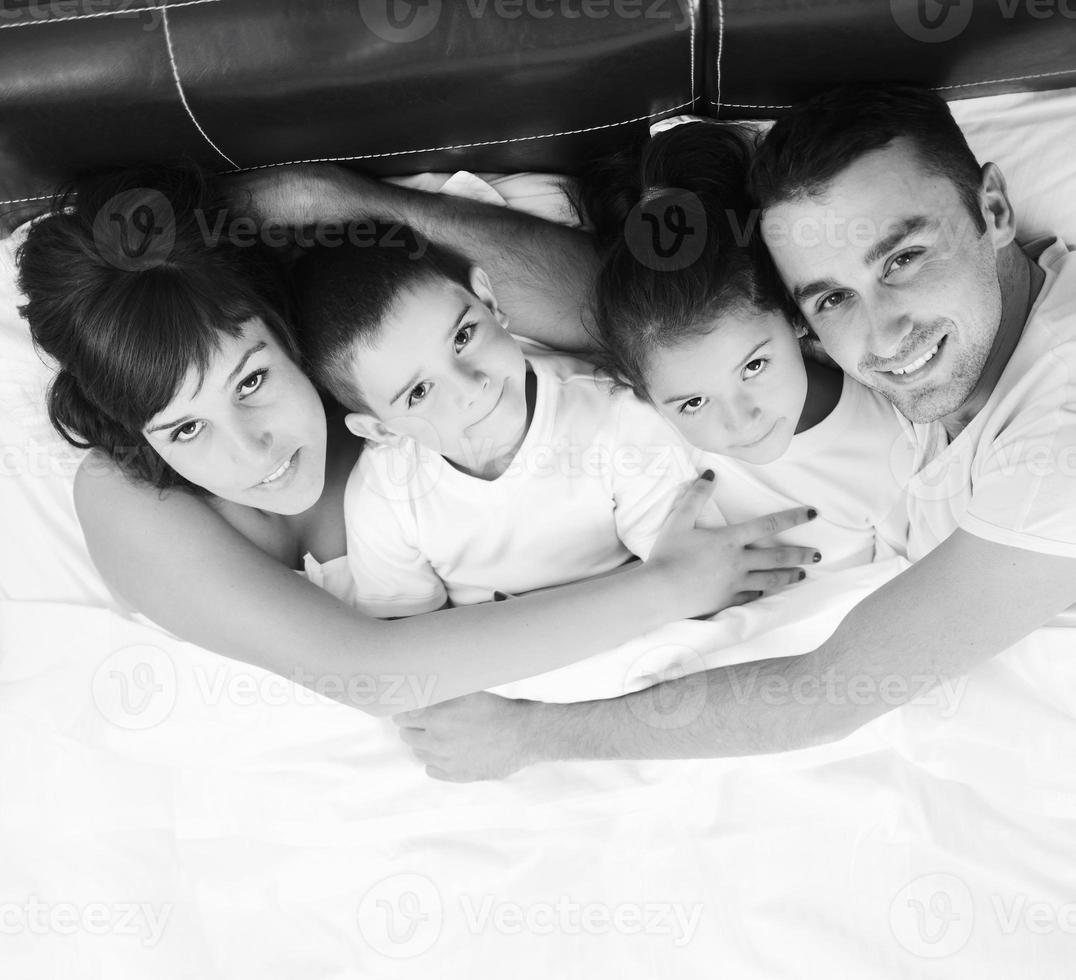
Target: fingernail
[(811, 513), (708, 475), (817, 556), (802, 575), (499, 597)]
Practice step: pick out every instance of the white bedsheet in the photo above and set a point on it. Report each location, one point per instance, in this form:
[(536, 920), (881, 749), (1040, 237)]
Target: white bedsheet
[(167, 813)]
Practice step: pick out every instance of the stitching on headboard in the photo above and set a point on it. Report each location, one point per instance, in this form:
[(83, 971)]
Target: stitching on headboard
[(720, 51), (692, 6), (26, 200), (466, 146), (179, 87), (104, 13), (936, 88)]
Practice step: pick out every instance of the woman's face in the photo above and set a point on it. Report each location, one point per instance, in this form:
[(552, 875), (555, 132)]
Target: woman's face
[(737, 390), (251, 431)]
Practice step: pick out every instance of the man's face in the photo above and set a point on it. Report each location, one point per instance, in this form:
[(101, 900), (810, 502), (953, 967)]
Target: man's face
[(890, 270)]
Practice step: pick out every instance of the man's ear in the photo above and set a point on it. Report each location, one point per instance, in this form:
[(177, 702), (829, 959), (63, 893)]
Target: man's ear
[(370, 428), (483, 289), (1000, 218)]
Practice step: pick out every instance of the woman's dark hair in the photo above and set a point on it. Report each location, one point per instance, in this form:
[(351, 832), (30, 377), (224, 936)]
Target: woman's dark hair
[(648, 299), (132, 279)]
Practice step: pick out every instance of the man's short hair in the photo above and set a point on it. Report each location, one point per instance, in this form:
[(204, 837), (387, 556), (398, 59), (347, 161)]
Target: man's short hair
[(821, 137)]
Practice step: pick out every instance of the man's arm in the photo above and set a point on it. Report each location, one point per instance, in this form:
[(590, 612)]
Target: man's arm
[(543, 272), (962, 604)]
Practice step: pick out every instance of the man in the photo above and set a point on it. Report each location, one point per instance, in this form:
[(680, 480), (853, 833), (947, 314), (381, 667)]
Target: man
[(899, 251)]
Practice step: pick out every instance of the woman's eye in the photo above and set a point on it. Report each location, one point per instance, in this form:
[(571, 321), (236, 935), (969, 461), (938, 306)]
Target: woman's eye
[(830, 301), (185, 433), (251, 384), (692, 405), (420, 391), (464, 335), (751, 368)]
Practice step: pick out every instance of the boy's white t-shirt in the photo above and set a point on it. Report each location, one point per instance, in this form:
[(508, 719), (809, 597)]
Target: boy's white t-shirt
[(851, 467), (1010, 475), (592, 484)]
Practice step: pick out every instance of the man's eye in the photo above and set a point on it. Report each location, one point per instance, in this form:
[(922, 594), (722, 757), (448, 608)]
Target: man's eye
[(830, 301), (903, 260), (464, 335), (251, 384), (420, 391), (692, 405), (185, 433), (752, 368)]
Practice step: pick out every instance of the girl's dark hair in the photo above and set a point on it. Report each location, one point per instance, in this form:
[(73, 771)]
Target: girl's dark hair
[(647, 301), (130, 280)]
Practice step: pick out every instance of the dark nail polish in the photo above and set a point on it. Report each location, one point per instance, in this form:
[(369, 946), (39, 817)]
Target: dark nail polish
[(499, 597), (817, 557), (802, 575), (708, 475), (811, 513)]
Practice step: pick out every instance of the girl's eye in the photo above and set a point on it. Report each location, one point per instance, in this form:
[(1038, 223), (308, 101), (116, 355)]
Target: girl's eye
[(420, 391), (251, 384), (185, 433), (464, 335), (830, 301), (693, 405), (752, 368)]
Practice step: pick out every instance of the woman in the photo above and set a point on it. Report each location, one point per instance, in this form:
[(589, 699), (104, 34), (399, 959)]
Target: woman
[(215, 470)]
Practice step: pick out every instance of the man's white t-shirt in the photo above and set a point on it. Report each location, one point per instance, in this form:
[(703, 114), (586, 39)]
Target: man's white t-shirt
[(852, 467), (1010, 475), (590, 486)]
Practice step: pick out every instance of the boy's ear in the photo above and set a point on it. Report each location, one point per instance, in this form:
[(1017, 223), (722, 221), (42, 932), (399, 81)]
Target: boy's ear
[(483, 289), (370, 428)]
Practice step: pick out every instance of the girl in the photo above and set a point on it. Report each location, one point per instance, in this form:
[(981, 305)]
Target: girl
[(702, 332), (215, 471)]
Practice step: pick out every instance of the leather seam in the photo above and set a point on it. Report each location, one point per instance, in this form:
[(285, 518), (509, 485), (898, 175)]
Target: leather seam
[(103, 13), (720, 51)]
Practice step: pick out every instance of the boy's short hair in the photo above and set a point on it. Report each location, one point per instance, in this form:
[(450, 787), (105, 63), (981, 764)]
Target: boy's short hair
[(818, 139), (345, 292)]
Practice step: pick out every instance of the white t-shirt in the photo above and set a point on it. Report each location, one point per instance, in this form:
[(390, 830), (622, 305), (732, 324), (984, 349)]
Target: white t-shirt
[(592, 484), (1010, 475), (852, 467)]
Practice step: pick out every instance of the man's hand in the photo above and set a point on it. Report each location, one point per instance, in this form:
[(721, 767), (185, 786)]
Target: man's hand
[(478, 736)]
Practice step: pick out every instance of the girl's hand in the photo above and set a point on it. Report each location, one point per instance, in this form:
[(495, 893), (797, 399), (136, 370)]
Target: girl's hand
[(708, 569)]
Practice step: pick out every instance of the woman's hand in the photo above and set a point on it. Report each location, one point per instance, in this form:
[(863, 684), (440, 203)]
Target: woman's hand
[(708, 569), (478, 736)]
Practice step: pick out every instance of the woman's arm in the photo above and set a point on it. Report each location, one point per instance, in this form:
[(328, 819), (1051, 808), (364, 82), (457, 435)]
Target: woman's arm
[(544, 272), (179, 563)]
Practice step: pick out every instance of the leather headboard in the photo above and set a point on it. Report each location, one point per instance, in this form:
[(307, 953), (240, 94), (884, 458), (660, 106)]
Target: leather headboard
[(402, 86)]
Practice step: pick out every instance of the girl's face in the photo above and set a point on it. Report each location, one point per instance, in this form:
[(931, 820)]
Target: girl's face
[(251, 431), (738, 390)]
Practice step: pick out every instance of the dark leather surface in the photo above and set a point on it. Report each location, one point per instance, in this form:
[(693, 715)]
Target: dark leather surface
[(500, 85)]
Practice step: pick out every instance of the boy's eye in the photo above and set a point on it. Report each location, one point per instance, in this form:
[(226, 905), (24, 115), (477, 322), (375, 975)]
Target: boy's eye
[(464, 335), (186, 432), (752, 368), (692, 405), (420, 391), (252, 383)]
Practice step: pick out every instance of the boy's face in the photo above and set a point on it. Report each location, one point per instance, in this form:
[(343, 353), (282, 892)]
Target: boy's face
[(737, 391), (446, 373)]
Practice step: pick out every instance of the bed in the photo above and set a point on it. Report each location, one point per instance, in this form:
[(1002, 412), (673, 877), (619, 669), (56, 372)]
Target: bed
[(169, 813)]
